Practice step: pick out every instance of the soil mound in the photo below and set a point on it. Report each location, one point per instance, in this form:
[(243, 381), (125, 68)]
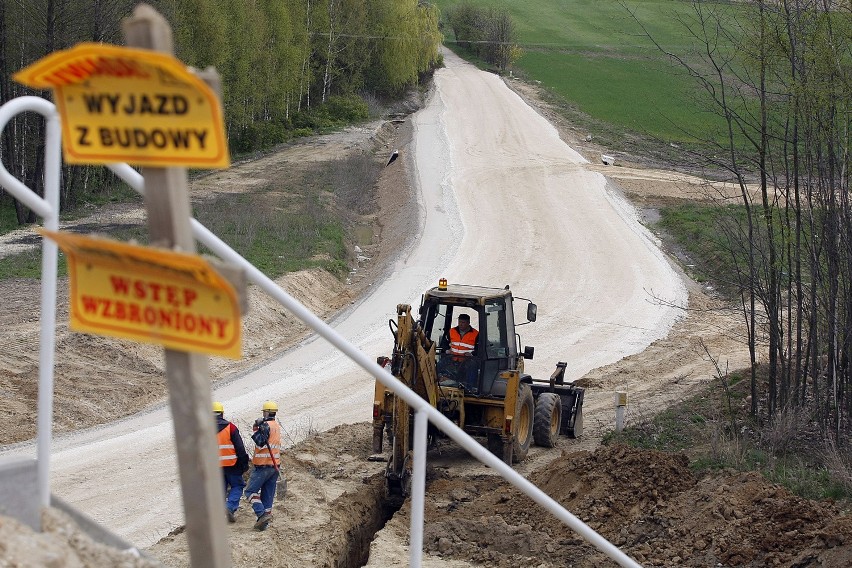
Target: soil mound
[(61, 545), (647, 503)]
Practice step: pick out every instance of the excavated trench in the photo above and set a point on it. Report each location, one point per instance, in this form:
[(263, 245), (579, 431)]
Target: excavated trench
[(368, 510)]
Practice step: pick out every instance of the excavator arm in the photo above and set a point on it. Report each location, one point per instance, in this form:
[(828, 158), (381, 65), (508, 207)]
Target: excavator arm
[(413, 359), (413, 363)]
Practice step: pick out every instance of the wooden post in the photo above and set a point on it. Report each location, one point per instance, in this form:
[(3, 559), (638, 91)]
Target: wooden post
[(187, 374)]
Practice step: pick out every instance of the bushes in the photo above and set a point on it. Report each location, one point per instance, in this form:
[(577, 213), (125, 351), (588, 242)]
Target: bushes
[(488, 33), (259, 135), (335, 113), (349, 108)]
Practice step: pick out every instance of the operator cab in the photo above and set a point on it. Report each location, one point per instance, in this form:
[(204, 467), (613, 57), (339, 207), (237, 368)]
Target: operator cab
[(496, 347)]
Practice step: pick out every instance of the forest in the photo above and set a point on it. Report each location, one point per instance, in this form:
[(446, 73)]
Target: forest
[(288, 67)]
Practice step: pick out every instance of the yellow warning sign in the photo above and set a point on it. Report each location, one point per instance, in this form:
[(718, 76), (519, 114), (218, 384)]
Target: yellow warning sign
[(150, 295), (119, 104)]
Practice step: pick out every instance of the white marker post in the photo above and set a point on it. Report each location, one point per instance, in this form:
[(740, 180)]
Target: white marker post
[(620, 410)]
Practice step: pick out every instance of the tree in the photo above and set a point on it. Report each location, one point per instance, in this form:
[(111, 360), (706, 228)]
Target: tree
[(400, 46), (465, 21), (487, 32), (780, 77), (500, 35), (280, 66)]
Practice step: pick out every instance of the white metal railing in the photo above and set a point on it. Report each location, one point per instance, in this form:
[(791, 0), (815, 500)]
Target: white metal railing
[(424, 412), (48, 210)]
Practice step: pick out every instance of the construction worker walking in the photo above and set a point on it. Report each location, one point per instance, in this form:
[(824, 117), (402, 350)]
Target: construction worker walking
[(266, 459), (233, 459)]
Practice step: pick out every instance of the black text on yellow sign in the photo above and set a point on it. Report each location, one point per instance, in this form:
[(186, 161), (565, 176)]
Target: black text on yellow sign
[(136, 137), (150, 295), (119, 104)]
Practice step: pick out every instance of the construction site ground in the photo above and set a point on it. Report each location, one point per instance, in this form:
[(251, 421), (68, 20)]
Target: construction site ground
[(334, 511)]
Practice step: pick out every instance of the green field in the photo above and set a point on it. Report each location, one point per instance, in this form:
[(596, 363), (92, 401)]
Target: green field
[(595, 56)]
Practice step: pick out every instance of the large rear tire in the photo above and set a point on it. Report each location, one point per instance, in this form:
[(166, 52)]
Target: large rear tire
[(524, 413), (548, 419)]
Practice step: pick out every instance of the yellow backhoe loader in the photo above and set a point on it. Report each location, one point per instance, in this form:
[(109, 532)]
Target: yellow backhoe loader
[(481, 387)]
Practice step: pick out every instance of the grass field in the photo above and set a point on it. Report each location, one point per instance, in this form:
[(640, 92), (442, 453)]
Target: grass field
[(595, 56)]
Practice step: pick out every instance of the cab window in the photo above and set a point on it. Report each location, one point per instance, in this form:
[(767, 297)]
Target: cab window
[(496, 342)]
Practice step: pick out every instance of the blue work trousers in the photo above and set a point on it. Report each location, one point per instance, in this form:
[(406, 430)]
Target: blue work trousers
[(233, 490), (260, 490)]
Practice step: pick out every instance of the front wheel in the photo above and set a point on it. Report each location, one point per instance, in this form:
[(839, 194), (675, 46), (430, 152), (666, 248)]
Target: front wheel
[(548, 419), (524, 412)]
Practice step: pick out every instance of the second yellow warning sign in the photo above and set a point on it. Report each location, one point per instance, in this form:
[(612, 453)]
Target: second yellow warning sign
[(150, 295)]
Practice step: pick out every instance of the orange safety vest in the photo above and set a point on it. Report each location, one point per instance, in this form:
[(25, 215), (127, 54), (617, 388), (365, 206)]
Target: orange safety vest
[(262, 455), (227, 451), (462, 345)]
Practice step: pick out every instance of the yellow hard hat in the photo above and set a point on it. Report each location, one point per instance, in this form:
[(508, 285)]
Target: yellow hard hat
[(270, 406), (217, 407)]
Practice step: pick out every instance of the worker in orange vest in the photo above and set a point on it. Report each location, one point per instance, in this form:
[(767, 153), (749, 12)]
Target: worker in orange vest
[(463, 339), (459, 362), (233, 460), (266, 460)]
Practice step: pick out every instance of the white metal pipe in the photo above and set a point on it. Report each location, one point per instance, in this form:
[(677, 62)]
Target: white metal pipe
[(48, 210), (421, 406), (418, 489), (12, 184), (47, 343), (133, 178)]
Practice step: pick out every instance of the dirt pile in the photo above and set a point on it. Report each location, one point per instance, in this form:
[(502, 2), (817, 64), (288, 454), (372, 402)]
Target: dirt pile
[(647, 503), (60, 545)]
